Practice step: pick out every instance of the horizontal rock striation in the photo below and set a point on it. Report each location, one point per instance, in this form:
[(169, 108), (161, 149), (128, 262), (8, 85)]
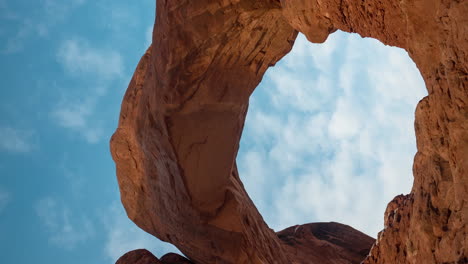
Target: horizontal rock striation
[(183, 114)]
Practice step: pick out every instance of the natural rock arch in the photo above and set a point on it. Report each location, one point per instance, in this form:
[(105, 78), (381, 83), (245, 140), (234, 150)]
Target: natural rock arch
[(183, 114)]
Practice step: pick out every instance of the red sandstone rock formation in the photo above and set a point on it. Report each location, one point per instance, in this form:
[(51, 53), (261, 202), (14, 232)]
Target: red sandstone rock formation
[(325, 243), (173, 258), (139, 256), (183, 114), (143, 256)]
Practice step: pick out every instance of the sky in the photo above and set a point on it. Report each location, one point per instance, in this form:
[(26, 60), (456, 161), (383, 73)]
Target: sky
[(329, 134)]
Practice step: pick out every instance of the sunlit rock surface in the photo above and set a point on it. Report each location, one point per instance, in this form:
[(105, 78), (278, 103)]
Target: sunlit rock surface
[(183, 115)]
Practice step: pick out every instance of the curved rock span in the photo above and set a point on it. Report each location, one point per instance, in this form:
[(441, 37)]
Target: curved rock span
[(183, 114), (332, 243)]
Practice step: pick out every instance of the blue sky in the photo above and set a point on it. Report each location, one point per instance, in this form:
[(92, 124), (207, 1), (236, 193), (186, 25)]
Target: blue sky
[(329, 134)]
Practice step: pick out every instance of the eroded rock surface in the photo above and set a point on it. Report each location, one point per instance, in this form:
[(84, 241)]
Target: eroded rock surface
[(325, 243), (172, 258), (143, 256), (183, 114), (138, 256)]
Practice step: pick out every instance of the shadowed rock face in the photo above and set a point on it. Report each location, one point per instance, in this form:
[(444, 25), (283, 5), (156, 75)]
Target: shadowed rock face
[(184, 110), (139, 256), (172, 258), (143, 256), (325, 243)]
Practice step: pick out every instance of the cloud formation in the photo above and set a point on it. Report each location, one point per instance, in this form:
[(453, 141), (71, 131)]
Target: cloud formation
[(330, 139), (47, 15), (102, 67), (66, 230), (123, 236), (80, 58), (75, 115)]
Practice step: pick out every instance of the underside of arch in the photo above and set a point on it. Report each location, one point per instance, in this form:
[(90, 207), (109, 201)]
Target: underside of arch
[(183, 114)]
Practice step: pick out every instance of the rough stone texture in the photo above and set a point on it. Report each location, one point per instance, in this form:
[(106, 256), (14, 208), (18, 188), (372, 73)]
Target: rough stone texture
[(139, 256), (325, 243), (183, 114), (143, 256), (172, 258)]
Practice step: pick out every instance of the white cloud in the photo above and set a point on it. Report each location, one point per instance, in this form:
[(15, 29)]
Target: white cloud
[(79, 57), (123, 236), (345, 122), (333, 141), (16, 140), (102, 66), (75, 115), (50, 13), (66, 230)]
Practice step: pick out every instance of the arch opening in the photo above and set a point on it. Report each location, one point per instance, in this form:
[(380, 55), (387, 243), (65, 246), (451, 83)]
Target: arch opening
[(329, 134)]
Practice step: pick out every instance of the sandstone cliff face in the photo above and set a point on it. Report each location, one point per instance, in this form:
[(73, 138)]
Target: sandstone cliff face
[(183, 114)]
